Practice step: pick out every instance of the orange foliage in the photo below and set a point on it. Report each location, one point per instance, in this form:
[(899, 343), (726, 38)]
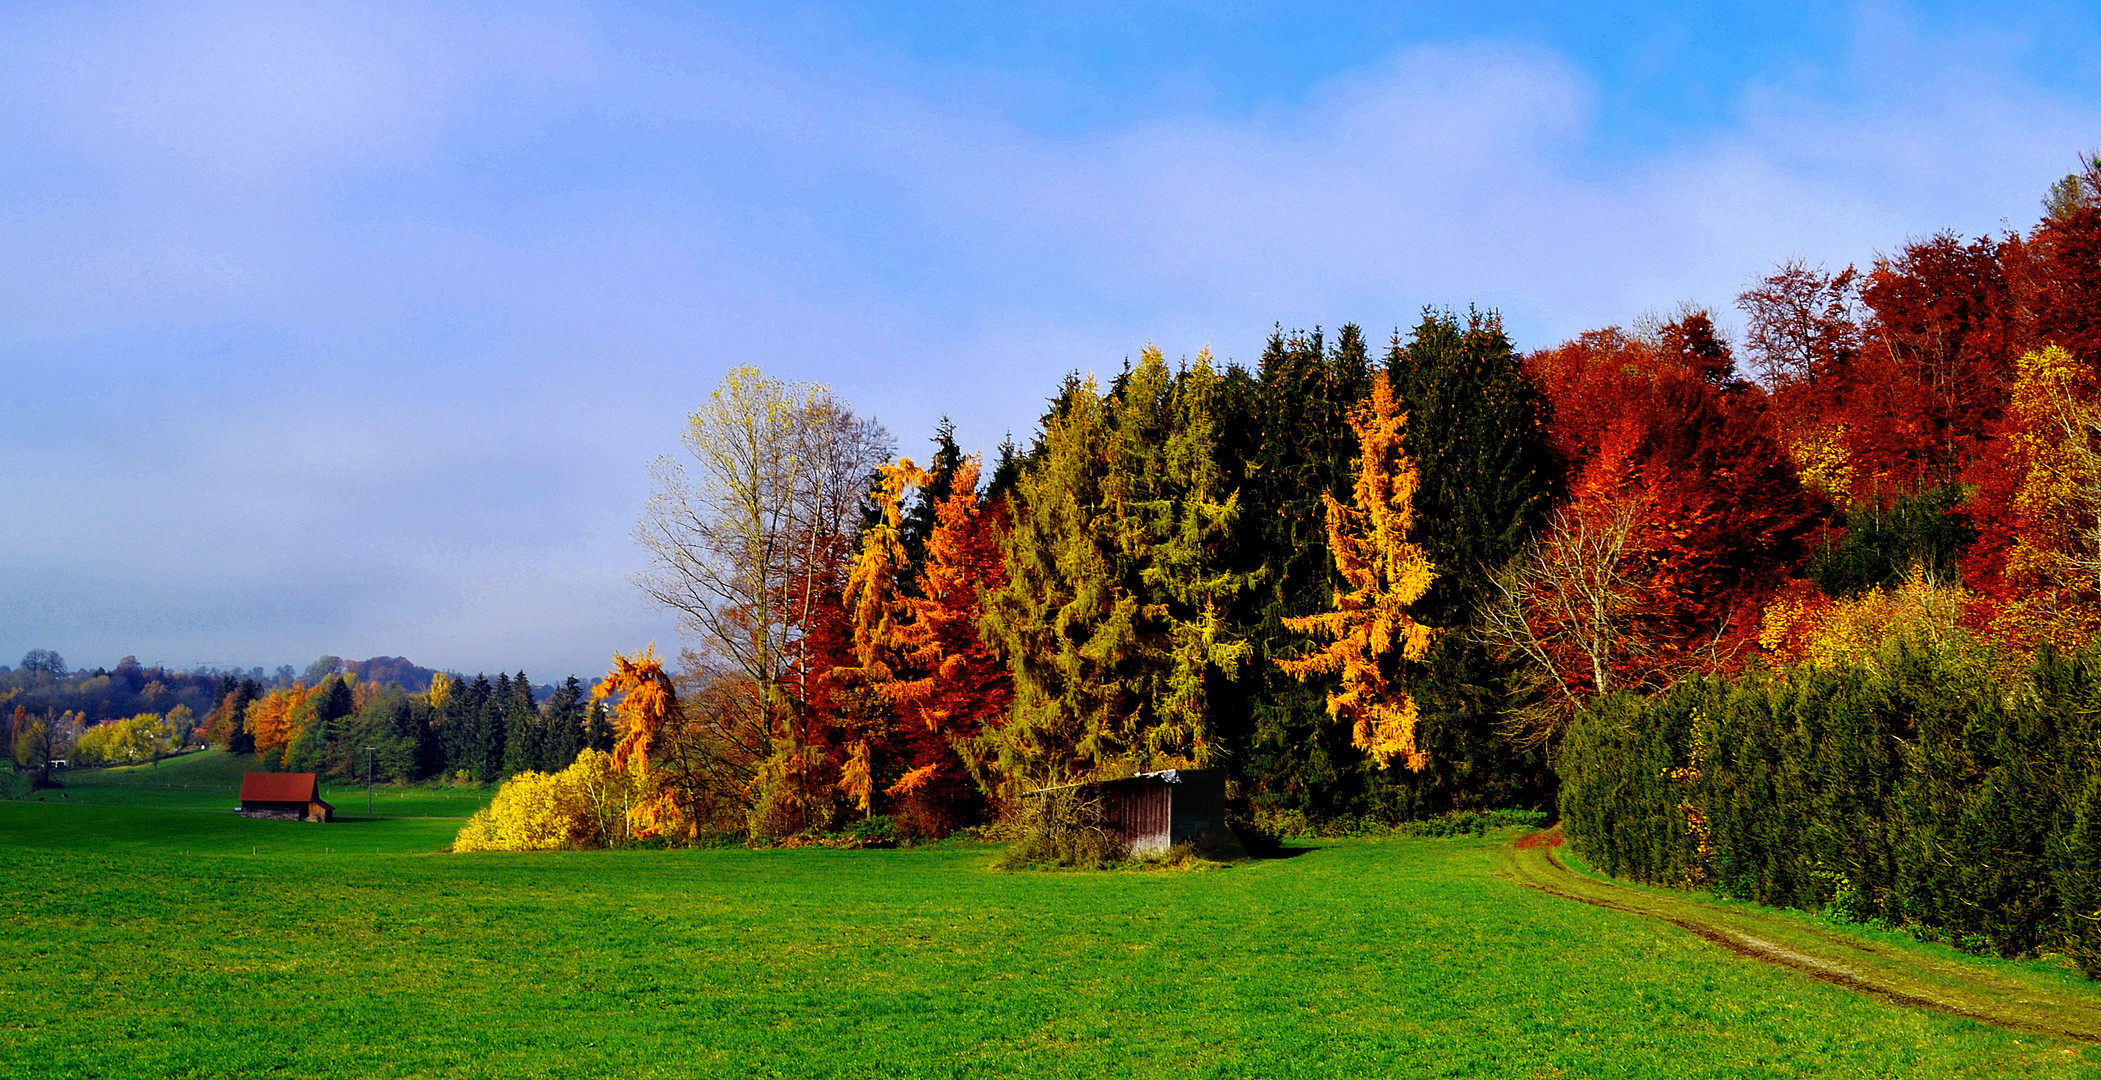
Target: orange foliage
[(648, 706), (1370, 632), (957, 689), (921, 652), (1720, 518), (272, 720)]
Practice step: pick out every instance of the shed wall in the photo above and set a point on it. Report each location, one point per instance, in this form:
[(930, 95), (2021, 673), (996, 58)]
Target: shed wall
[(1140, 813)]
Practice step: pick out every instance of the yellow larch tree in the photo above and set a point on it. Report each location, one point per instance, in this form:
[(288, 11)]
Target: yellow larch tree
[(1370, 632), (2054, 565)]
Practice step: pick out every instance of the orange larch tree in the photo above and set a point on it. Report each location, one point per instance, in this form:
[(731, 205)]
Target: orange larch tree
[(1370, 632), (921, 650)]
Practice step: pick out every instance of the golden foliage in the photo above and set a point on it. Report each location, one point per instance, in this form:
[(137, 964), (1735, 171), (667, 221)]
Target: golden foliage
[(587, 805), (1370, 629), (1788, 620), (272, 720), (1851, 632), (871, 586), (1821, 460), (912, 781), (440, 691), (857, 776), (648, 705), (2055, 561)]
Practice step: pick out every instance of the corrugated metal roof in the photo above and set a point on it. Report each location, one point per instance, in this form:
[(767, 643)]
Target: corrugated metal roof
[(1165, 776), (279, 787)]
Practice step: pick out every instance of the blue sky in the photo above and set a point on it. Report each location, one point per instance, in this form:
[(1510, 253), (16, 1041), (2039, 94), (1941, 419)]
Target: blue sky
[(351, 328)]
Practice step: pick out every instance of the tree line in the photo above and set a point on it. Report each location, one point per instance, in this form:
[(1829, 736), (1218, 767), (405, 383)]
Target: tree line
[(1375, 581), (466, 730), (384, 717)]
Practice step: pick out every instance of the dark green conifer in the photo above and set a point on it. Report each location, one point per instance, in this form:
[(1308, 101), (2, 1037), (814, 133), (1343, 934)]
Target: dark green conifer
[(521, 728), (564, 734), (1477, 432)]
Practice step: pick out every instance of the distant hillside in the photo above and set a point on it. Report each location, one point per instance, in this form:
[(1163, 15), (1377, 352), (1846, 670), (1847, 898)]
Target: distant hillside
[(386, 669)]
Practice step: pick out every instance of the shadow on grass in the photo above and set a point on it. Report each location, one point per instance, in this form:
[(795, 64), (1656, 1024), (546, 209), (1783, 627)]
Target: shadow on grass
[(1266, 852)]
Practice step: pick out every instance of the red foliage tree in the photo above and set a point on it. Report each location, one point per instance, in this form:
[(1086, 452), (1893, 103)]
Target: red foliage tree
[(1659, 427), (952, 691), (918, 688), (2054, 277)]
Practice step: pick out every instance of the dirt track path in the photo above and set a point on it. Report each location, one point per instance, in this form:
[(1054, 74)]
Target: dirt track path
[(2039, 1004)]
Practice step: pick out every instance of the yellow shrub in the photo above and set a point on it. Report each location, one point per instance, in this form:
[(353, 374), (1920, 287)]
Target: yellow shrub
[(584, 805), (1853, 630)]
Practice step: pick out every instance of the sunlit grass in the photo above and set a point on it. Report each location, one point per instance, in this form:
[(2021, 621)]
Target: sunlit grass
[(143, 939)]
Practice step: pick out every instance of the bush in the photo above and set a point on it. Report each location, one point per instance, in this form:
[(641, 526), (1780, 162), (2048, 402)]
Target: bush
[(1472, 823), (1063, 829), (590, 804), (1918, 788)]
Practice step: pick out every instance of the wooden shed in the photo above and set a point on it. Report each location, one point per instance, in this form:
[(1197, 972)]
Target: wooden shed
[(1151, 812), (286, 796)]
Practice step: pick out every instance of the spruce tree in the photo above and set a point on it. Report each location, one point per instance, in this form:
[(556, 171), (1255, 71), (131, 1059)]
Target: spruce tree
[(564, 733), (1059, 623), (466, 727), (1476, 429), (1297, 756), (598, 731), (521, 728), (1115, 618), (485, 748), (924, 516)]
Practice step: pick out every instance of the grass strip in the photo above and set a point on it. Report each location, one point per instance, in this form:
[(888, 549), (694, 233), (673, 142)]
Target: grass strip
[(1910, 973)]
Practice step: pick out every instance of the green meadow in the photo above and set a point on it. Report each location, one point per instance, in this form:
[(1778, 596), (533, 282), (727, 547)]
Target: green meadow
[(150, 932)]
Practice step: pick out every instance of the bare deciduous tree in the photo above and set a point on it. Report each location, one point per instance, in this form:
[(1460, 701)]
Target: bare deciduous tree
[(1800, 322), (1562, 609)]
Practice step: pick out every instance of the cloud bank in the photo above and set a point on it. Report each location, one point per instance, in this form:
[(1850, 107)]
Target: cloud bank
[(350, 329)]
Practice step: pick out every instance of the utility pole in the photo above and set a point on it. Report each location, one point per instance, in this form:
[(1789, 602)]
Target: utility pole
[(368, 778)]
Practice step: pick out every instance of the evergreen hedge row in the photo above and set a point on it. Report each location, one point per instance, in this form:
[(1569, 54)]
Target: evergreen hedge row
[(1925, 791)]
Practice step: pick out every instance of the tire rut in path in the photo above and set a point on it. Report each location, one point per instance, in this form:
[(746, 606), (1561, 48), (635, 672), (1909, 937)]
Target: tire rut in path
[(2036, 1004)]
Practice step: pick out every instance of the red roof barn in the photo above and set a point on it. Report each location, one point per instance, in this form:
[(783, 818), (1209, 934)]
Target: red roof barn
[(289, 796)]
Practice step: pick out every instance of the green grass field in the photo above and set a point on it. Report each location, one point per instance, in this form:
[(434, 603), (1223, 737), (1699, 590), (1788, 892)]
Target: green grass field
[(142, 938)]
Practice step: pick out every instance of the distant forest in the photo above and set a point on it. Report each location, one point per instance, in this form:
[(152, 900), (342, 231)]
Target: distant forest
[(342, 717)]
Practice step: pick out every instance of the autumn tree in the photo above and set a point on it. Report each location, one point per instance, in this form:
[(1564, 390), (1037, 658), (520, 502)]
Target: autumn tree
[(651, 723), (1683, 517), (32, 745), (1371, 632), (273, 721), (874, 592), (224, 726), (1300, 451), (942, 691), (1565, 608), (1801, 323), (750, 547), (951, 692), (1477, 433), (2048, 581)]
